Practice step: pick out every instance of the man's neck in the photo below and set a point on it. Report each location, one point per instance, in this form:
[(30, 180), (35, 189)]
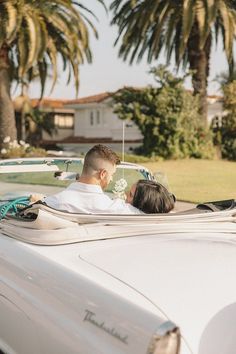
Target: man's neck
[(89, 180)]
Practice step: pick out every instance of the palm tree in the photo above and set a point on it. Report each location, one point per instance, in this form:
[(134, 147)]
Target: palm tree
[(33, 34), (184, 28)]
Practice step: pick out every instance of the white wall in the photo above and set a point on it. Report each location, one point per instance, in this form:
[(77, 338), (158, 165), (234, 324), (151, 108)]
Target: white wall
[(109, 126)]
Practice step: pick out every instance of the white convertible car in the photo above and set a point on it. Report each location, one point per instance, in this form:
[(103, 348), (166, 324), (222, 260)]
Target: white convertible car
[(111, 284)]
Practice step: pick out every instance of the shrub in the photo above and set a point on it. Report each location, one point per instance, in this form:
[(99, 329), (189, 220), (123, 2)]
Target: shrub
[(225, 130), (139, 158), (168, 118), (15, 149)]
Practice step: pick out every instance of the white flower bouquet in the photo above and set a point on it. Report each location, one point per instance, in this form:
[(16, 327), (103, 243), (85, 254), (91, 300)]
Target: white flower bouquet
[(119, 188)]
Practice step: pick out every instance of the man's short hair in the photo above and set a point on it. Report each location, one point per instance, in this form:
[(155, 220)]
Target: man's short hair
[(99, 152)]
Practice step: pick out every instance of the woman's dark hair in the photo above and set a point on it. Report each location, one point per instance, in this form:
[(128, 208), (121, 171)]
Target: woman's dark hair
[(152, 197)]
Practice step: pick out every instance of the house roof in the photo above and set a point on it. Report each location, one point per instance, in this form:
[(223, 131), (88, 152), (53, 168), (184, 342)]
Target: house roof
[(57, 104), (48, 103), (218, 97), (104, 95), (91, 99), (98, 97)]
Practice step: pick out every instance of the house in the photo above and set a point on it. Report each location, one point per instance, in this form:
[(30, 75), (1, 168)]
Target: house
[(81, 122), (61, 117), (215, 107), (95, 122)]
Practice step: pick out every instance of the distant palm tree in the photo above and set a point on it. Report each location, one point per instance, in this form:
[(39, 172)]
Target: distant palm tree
[(33, 34), (183, 27)]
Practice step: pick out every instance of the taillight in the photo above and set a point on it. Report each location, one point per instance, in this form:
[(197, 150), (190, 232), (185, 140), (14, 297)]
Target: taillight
[(166, 340)]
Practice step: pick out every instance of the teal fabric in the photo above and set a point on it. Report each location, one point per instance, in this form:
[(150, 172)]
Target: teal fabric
[(13, 206)]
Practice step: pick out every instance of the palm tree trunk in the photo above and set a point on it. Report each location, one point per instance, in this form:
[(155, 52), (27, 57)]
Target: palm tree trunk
[(7, 113), (199, 64)]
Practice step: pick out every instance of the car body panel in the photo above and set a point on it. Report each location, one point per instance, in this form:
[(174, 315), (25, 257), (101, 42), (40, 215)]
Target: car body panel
[(174, 276), (174, 271), (66, 310), (107, 284)]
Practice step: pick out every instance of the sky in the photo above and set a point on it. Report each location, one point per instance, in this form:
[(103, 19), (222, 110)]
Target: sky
[(110, 73)]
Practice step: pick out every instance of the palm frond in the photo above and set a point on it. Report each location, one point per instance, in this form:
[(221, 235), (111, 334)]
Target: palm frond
[(145, 28), (52, 54), (43, 71), (227, 28), (36, 32), (22, 44), (203, 25), (11, 26), (33, 32), (188, 18)]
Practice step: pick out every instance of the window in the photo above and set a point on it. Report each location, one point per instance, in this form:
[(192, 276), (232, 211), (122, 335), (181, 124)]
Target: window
[(91, 118), (98, 117), (95, 117), (64, 121)]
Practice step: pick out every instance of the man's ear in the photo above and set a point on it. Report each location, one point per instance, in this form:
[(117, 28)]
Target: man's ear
[(102, 174)]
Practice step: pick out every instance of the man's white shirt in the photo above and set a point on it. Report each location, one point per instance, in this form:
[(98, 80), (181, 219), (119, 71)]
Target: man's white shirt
[(88, 198)]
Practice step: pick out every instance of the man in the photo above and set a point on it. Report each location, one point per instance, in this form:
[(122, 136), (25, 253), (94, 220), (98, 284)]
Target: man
[(86, 195)]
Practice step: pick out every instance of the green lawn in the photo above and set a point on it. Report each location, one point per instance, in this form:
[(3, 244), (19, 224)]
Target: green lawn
[(197, 180), (190, 180)]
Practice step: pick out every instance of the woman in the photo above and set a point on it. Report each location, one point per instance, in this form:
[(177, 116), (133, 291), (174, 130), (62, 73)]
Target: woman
[(150, 197)]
